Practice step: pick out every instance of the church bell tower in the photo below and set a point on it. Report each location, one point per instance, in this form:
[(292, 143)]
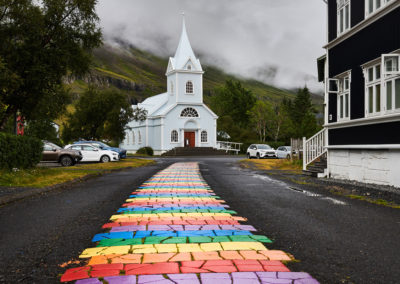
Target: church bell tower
[(184, 73)]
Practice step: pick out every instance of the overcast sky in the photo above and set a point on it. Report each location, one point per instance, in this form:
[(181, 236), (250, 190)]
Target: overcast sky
[(275, 41)]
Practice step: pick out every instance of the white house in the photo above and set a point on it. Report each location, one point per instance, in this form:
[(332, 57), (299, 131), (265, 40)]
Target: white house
[(177, 118)]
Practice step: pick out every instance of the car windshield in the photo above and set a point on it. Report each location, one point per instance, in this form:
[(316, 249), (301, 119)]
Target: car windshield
[(263, 147), (102, 144), (53, 145)]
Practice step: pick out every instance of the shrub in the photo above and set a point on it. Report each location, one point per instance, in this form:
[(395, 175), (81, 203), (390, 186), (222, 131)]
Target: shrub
[(19, 151), (145, 151)]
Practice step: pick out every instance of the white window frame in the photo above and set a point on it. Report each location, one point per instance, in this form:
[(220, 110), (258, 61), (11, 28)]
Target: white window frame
[(394, 58), (191, 110), (202, 136), (133, 138), (189, 89), (172, 137), (139, 137), (375, 7), (342, 7), (343, 113), (371, 88), (330, 83), (386, 79)]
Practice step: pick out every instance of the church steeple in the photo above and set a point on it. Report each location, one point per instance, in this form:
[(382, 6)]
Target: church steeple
[(184, 58)]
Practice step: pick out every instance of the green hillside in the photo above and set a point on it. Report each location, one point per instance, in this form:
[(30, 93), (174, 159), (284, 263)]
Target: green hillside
[(141, 74)]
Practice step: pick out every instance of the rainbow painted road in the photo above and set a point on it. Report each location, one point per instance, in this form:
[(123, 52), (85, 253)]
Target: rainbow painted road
[(174, 229)]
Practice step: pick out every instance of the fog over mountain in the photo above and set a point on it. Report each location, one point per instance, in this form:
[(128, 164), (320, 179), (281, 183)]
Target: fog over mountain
[(274, 41)]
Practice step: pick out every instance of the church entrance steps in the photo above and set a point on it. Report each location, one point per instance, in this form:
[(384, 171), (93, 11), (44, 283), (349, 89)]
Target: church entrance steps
[(194, 151)]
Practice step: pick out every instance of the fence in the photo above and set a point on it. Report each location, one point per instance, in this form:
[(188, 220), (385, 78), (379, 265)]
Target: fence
[(229, 146)]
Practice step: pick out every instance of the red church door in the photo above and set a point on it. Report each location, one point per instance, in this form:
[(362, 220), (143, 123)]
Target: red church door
[(190, 139)]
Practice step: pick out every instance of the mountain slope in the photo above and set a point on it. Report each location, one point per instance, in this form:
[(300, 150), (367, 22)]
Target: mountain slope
[(140, 74)]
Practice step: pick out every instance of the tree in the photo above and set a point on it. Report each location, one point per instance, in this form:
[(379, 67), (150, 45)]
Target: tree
[(260, 115), (101, 115), (235, 101), (302, 114), (41, 42)]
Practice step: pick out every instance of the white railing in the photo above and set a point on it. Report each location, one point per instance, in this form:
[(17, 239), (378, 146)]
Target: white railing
[(229, 146), (314, 147)]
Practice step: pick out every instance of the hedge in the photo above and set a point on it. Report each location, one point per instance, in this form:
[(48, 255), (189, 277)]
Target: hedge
[(145, 151), (19, 152)]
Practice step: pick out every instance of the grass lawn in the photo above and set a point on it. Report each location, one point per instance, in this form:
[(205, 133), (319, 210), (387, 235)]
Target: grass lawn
[(42, 177), (274, 164)]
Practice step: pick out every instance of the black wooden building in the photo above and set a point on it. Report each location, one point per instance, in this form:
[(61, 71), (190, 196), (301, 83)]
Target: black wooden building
[(362, 98)]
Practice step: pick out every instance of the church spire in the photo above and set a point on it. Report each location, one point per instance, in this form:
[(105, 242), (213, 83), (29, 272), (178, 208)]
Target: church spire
[(184, 53)]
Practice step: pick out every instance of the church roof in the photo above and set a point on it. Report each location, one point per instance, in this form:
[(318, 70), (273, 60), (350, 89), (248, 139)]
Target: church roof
[(152, 104), (184, 53)]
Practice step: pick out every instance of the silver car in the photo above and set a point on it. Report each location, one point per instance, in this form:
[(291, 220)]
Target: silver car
[(283, 152)]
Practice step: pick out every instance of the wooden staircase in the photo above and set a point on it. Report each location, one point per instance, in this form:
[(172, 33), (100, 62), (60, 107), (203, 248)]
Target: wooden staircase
[(317, 168), (194, 151)]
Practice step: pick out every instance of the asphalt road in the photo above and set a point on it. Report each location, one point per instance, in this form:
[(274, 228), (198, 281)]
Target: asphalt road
[(335, 239)]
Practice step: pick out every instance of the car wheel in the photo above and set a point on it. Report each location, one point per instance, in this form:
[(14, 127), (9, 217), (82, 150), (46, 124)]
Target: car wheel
[(248, 156), (105, 159), (288, 157), (66, 161), (258, 155)]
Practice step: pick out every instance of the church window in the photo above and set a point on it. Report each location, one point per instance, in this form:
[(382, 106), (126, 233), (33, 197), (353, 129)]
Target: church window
[(133, 137), (127, 138), (189, 67), (139, 137), (204, 138), (189, 112), (172, 88), (189, 87), (174, 136)]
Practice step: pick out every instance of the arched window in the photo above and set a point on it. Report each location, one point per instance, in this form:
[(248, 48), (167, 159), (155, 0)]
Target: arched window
[(139, 137), (189, 87), (204, 138), (127, 138), (189, 112), (172, 87), (174, 136), (133, 138)]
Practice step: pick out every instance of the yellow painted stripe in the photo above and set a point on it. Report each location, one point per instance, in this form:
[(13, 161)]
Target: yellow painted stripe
[(175, 248)]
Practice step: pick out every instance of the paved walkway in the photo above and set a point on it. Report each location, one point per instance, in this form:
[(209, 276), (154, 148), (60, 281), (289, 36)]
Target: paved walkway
[(175, 230)]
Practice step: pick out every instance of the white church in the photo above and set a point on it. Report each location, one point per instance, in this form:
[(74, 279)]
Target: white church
[(177, 118)]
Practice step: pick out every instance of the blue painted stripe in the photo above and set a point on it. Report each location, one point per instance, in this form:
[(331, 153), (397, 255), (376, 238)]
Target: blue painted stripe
[(171, 208), (144, 234)]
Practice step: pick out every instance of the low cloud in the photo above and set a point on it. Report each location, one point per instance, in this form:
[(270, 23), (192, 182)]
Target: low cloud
[(275, 41)]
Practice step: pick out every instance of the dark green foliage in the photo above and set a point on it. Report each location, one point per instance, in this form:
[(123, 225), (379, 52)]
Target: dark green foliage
[(43, 130), (234, 101), (145, 151), (19, 151), (41, 42), (302, 114), (99, 115)]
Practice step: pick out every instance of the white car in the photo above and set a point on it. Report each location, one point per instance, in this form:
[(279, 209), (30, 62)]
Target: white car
[(260, 151), (283, 152), (91, 153)]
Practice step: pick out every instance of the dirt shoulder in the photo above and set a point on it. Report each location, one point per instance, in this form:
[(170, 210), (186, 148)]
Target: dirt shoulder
[(20, 184), (291, 172)]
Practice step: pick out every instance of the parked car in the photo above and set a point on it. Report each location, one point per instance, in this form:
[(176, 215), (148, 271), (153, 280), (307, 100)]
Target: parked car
[(92, 153), (283, 152), (103, 146), (54, 153), (260, 151)]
